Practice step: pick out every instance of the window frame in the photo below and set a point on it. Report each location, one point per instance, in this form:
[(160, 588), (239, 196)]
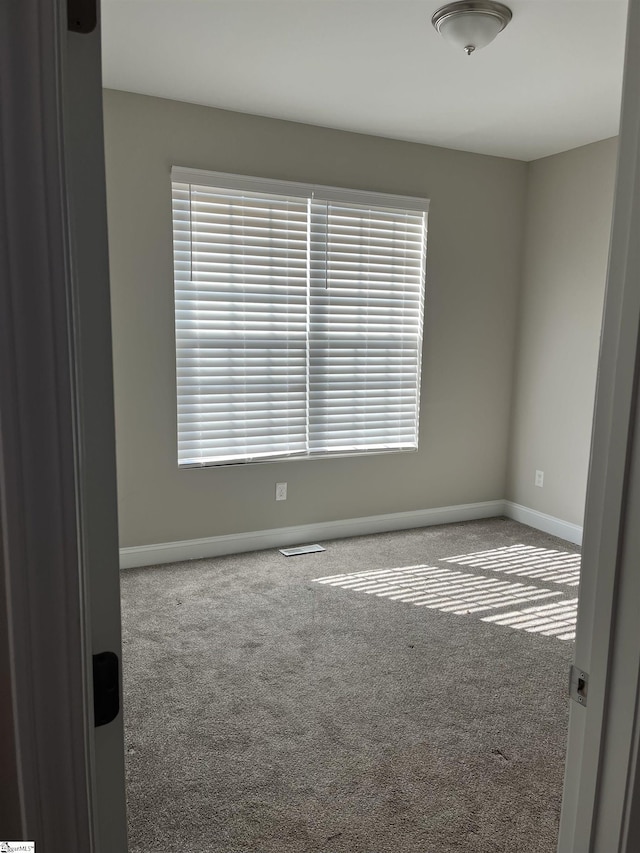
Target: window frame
[(408, 204)]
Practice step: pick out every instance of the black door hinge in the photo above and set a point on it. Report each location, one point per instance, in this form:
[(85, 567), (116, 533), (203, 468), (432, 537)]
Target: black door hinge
[(106, 688), (82, 15)]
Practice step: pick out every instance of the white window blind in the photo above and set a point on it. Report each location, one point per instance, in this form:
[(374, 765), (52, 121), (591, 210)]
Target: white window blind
[(299, 316)]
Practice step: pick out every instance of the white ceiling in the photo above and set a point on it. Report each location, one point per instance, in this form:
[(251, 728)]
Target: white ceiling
[(550, 82)]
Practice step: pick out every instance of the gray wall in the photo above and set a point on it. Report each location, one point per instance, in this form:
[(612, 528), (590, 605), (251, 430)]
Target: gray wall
[(569, 207), (474, 255)]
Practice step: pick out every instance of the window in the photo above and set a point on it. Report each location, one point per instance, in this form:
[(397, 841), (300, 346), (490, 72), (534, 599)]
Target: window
[(299, 314)]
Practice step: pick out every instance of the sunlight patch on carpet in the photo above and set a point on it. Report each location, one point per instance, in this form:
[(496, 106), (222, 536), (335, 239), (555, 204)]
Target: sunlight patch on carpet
[(442, 589), (552, 620), (543, 564)]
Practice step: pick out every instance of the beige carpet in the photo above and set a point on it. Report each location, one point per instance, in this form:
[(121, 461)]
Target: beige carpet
[(375, 711)]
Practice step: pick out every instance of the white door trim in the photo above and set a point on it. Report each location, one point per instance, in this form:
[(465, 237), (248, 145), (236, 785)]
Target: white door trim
[(600, 746), (90, 296), (45, 671), (58, 524)]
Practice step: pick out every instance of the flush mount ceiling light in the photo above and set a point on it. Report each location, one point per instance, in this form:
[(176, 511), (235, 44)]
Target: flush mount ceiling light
[(471, 25)]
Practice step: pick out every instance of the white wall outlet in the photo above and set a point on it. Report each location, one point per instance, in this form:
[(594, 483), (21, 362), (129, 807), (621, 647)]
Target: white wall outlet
[(281, 491), (540, 478)]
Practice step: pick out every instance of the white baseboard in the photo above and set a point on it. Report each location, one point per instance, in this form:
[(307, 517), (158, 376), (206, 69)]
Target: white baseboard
[(542, 521), (281, 537)]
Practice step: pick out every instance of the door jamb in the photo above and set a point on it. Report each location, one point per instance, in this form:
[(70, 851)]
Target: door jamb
[(45, 647), (593, 808)]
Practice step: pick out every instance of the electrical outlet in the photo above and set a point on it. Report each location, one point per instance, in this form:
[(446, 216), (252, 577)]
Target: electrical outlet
[(281, 491), (540, 478)]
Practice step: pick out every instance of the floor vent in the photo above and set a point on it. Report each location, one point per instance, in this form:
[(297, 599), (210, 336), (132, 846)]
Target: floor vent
[(301, 549)]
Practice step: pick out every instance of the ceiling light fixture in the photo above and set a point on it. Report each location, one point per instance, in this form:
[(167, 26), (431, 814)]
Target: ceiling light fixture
[(471, 25)]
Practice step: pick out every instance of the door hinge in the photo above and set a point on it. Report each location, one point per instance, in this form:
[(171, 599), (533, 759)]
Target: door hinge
[(82, 16), (578, 685), (106, 688)]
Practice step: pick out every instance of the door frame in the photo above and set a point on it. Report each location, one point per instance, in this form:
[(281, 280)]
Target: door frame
[(44, 632), (58, 523)]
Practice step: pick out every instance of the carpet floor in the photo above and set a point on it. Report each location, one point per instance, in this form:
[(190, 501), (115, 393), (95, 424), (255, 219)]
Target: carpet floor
[(378, 697)]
